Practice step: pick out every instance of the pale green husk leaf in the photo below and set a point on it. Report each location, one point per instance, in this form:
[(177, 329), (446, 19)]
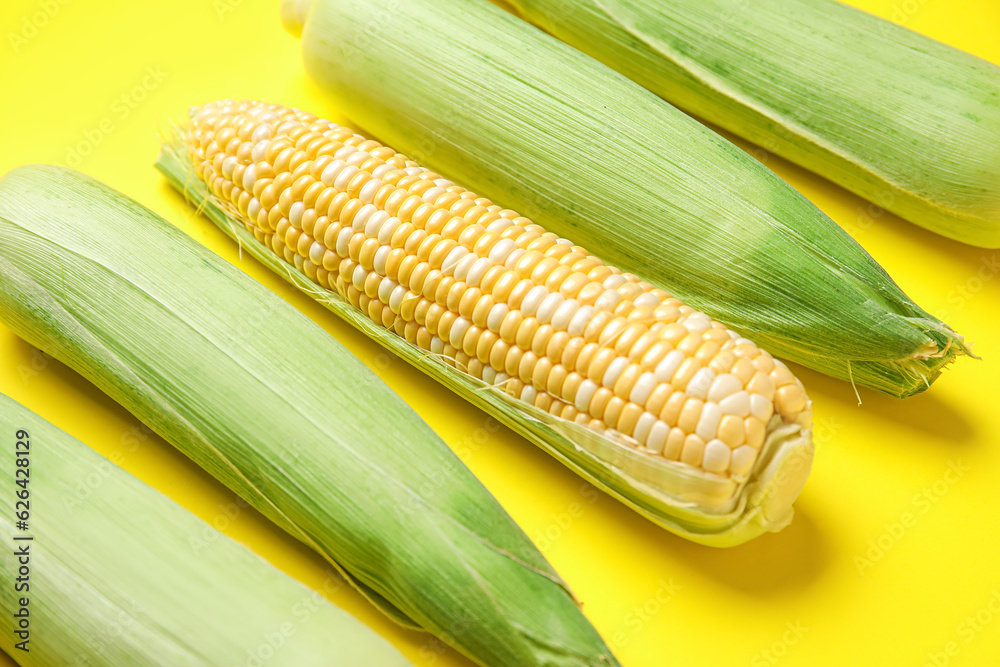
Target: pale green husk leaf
[(120, 575)]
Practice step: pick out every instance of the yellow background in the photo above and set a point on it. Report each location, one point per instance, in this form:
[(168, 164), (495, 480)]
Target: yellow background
[(849, 602)]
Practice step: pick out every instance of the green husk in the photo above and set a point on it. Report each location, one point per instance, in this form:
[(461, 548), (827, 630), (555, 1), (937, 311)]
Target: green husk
[(896, 117), (268, 403), (114, 579), (699, 506), (539, 127)]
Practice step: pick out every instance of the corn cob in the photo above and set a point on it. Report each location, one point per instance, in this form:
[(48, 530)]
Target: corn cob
[(254, 392), (113, 579), (539, 352), (508, 302), (588, 154), (895, 117)]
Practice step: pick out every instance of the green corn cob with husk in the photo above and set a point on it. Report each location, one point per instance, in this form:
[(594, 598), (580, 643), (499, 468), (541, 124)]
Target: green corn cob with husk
[(891, 115), (542, 128), (268, 403), (111, 576)]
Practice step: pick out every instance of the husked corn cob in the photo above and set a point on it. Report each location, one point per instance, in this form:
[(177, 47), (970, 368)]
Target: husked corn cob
[(504, 300)]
